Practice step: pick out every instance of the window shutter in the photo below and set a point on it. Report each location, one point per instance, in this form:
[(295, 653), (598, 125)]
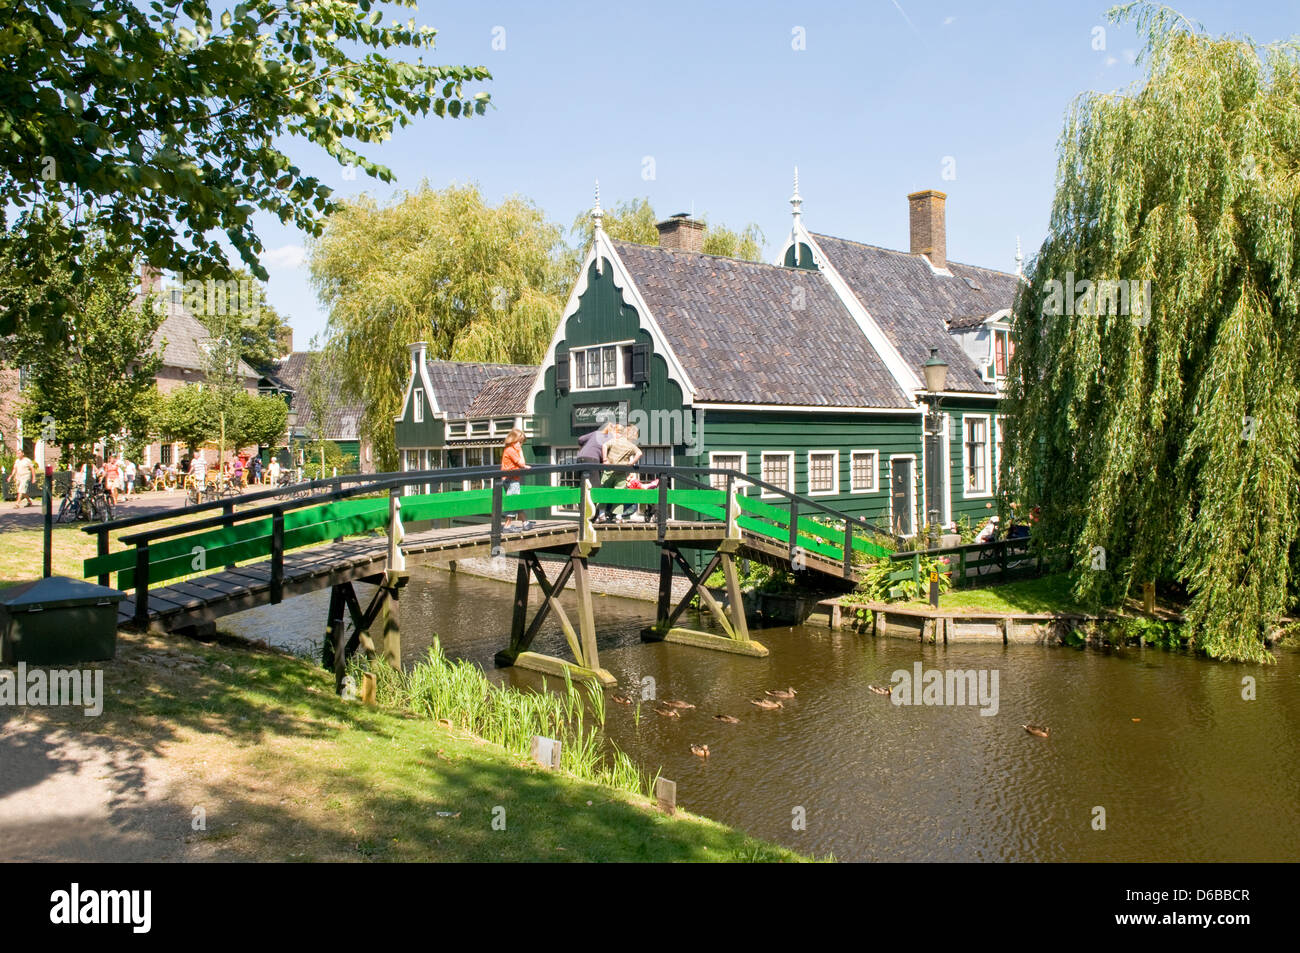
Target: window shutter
[(562, 370), (640, 363)]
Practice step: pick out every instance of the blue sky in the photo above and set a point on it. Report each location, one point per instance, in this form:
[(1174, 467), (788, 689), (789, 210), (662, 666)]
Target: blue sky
[(884, 99)]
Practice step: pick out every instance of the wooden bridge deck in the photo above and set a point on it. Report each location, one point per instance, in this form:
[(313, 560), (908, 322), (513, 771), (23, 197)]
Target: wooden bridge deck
[(208, 597)]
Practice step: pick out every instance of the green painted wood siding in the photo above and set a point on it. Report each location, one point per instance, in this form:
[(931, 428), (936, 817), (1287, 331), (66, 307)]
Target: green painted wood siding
[(409, 434), (754, 432), (601, 318), (974, 506)]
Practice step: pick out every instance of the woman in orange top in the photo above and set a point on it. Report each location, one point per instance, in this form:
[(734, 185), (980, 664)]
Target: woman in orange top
[(512, 458)]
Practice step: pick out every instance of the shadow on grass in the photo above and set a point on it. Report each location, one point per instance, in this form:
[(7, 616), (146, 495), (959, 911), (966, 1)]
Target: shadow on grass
[(284, 770)]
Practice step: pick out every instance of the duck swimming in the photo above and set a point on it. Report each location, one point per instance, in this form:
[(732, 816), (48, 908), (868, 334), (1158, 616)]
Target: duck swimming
[(677, 704), (1038, 731), (620, 699), (880, 691), (729, 719), (700, 751), (765, 703), (667, 712), (779, 693)]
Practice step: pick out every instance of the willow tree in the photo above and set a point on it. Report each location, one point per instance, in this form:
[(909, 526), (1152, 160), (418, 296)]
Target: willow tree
[(478, 282), (1158, 429)]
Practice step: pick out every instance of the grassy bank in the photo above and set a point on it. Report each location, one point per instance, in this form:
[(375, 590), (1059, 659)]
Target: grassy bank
[(458, 693), (287, 771)]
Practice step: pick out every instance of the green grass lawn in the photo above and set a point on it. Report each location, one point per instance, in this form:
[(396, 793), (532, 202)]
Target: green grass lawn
[(1042, 595), (22, 550), (291, 772)]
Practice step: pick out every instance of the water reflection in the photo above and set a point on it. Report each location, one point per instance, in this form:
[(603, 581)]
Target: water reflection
[(1204, 775)]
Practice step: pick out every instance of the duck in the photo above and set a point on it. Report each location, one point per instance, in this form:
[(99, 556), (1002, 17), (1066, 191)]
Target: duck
[(880, 691), (729, 719), (1135, 720), (700, 751), (618, 699), (765, 703), (677, 704), (667, 712), (1038, 731), (782, 693)]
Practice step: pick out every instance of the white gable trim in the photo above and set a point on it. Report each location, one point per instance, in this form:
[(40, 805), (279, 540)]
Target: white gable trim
[(602, 250), (906, 377), (434, 410)]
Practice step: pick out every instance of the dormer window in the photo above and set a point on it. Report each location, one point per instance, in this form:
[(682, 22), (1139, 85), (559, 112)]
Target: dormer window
[(1003, 348)]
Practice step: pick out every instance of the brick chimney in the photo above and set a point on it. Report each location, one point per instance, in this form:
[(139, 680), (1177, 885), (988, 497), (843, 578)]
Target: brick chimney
[(150, 279), (681, 233), (929, 236)]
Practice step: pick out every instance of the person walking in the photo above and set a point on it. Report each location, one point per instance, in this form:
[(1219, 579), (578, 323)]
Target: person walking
[(112, 479), (621, 451), (512, 459), (128, 476), (256, 468), (24, 473), (273, 472)]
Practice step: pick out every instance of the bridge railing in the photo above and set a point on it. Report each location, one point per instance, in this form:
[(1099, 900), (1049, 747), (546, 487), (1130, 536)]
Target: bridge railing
[(358, 504)]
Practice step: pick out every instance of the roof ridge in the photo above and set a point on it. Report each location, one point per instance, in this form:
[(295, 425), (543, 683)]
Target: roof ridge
[(908, 254), (700, 254)]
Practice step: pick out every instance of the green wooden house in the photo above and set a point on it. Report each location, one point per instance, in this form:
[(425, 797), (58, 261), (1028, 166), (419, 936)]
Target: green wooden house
[(805, 373)]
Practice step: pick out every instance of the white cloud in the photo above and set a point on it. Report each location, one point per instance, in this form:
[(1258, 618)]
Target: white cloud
[(947, 21), (1111, 61), (285, 257)]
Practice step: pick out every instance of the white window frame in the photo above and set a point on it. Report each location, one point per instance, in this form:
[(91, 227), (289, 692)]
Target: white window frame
[(875, 471), (767, 494), (743, 470), (417, 405), (913, 519), (835, 473), (966, 492), (993, 350), (558, 510), (996, 477), (623, 382)]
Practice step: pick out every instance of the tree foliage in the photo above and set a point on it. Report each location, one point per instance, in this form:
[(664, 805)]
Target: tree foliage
[(186, 416), (634, 222), (96, 380), (162, 121), (1165, 444), (478, 282)]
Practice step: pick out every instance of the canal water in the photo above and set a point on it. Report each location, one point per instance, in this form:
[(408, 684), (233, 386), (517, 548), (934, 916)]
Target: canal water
[(1204, 775)]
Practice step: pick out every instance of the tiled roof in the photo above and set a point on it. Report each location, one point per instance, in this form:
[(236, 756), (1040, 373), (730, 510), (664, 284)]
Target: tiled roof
[(739, 331), (343, 417), (183, 338), (912, 304), (504, 396), (457, 383)]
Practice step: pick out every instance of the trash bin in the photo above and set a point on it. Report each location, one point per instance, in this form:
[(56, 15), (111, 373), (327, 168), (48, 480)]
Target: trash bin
[(58, 621)]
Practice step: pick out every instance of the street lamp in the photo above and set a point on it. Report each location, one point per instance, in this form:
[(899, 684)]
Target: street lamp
[(935, 372)]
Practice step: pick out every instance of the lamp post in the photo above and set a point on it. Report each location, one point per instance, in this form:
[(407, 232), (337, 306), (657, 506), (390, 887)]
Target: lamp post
[(935, 372)]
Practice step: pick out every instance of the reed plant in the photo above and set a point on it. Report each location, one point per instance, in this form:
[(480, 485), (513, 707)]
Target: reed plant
[(457, 690)]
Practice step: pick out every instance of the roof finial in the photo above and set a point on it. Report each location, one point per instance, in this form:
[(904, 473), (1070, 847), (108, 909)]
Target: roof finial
[(1020, 259), (796, 200), (596, 213)]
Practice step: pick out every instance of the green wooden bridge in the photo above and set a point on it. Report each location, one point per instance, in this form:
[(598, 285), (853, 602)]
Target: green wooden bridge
[(218, 560)]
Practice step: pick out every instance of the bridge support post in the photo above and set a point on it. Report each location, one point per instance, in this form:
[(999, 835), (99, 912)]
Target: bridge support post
[(581, 641), (389, 641), (730, 618)]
